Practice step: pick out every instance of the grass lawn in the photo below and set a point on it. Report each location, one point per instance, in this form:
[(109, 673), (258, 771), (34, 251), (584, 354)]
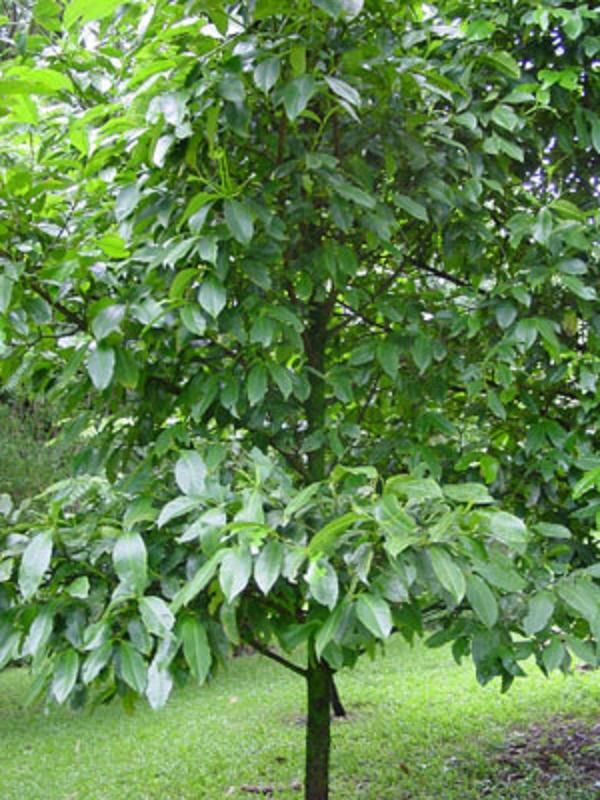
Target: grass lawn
[(419, 727)]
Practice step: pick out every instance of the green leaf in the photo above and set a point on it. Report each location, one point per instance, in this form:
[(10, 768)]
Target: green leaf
[(338, 8), (552, 531), (106, 321), (595, 132), (130, 561), (589, 481), (539, 613), (542, 230), (506, 313), (583, 596), (553, 655), (196, 648), (239, 220), (398, 527), (414, 488), (282, 378), (353, 193), (508, 529), (388, 355), (79, 588), (9, 643), (156, 615), (6, 568), (266, 74), (39, 633), (268, 565), (200, 580), (578, 288), (133, 668), (127, 201), (297, 94), (190, 473), (325, 539), (100, 367), (113, 246), (6, 287), (298, 59), (471, 493), (505, 117), (257, 384), (235, 572), (126, 369), (199, 202), (504, 63), (482, 600), (449, 574), (193, 319), (176, 508), (301, 502), (323, 582), (503, 576), (422, 352), (374, 613), (84, 11), (212, 297), (412, 207), (65, 675), (329, 628), (495, 404), (159, 686), (34, 563), (96, 661), (343, 90)]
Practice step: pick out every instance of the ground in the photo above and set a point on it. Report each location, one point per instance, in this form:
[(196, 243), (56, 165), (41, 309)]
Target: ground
[(419, 728)]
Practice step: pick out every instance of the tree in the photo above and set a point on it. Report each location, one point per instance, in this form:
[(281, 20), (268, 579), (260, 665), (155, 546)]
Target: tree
[(302, 274)]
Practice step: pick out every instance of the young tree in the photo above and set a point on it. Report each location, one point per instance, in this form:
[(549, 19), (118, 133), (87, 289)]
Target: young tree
[(292, 268)]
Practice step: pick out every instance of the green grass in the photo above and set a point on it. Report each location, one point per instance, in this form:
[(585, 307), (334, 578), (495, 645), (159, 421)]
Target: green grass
[(414, 708)]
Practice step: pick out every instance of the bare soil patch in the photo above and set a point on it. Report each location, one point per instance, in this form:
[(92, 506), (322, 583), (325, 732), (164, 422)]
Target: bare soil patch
[(555, 751)]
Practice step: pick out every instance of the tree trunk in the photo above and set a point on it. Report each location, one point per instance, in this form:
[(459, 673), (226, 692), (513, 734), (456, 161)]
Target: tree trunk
[(318, 732), (336, 701)]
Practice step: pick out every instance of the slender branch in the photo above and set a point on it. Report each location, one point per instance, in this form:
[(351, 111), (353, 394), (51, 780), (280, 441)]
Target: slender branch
[(439, 273), (293, 460), (359, 315), (366, 405), (72, 316), (266, 651)]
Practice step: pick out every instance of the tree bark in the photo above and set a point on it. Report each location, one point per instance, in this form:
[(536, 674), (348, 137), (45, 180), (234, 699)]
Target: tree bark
[(318, 732)]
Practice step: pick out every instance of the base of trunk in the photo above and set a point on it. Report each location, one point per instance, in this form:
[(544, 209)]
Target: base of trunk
[(318, 732)]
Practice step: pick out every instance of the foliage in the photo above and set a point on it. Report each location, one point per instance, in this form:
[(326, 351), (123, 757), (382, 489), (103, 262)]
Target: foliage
[(328, 264)]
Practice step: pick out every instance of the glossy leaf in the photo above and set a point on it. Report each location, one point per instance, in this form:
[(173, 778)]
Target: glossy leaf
[(374, 613), (34, 563), (196, 648), (130, 561)]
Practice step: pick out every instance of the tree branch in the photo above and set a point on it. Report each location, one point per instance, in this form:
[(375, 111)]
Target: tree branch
[(73, 317), (293, 460), (266, 651)]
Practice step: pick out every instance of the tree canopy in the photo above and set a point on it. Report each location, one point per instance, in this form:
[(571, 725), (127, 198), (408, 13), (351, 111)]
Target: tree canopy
[(314, 283)]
